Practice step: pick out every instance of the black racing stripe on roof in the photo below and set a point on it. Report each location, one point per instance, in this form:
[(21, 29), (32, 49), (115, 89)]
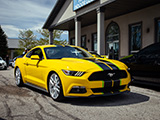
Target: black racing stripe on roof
[(67, 46), (59, 46), (63, 46)]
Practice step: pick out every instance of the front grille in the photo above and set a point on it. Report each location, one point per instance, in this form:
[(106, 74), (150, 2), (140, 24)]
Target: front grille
[(0, 64), (108, 75), (108, 89)]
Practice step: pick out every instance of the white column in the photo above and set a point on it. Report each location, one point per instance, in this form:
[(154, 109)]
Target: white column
[(100, 32), (77, 32), (12, 52), (51, 37)]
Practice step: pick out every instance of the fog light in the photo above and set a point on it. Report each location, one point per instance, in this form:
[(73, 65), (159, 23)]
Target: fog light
[(78, 89)]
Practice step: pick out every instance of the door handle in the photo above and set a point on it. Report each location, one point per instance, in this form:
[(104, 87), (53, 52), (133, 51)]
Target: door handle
[(26, 64)]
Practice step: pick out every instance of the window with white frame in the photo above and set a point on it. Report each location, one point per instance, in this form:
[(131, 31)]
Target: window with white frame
[(83, 41), (157, 30), (72, 41), (135, 37), (94, 42)]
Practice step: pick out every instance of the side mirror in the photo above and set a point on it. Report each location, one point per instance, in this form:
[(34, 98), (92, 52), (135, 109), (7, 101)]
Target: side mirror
[(94, 56), (135, 56), (35, 57), (104, 56)]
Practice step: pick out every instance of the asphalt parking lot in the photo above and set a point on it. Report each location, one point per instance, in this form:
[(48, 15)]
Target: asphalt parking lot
[(27, 103)]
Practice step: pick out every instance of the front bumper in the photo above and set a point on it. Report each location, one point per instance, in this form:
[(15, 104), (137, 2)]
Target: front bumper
[(2, 66), (82, 87)]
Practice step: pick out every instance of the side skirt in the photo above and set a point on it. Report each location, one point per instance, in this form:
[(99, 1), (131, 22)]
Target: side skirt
[(33, 86)]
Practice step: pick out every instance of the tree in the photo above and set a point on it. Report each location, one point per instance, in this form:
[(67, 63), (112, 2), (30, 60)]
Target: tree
[(56, 35), (44, 40), (3, 43), (27, 39)]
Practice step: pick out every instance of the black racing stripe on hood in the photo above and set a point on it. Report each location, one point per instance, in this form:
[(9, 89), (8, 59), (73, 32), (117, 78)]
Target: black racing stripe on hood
[(114, 67), (103, 66), (99, 63)]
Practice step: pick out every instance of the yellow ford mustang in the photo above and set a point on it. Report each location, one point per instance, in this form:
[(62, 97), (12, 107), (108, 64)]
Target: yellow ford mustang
[(66, 71)]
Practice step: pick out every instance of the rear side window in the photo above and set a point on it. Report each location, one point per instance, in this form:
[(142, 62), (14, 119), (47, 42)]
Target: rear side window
[(36, 51), (153, 49), (29, 54)]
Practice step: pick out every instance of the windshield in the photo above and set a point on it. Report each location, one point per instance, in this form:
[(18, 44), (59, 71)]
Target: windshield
[(94, 53), (1, 58), (65, 52)]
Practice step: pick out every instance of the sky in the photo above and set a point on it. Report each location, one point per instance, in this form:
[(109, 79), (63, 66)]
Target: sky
[(18, 15)]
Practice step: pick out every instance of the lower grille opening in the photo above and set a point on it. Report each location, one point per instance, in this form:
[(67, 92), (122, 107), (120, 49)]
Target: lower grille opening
[(108, 89), (78, 89)]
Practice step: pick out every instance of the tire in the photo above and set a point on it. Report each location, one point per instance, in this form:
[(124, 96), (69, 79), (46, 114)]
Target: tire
[(55, 87), (18, 78), (5, 68), (12, 66)]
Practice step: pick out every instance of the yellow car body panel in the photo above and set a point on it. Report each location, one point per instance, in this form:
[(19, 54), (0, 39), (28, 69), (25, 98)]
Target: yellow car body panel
[(37, 72)]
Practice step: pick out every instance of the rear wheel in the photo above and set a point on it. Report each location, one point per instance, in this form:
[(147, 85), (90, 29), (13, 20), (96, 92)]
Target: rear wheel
[(55, 87), (18, 77)]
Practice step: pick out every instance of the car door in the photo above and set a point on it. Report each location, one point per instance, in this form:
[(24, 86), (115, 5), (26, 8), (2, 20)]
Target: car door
[(34, 68), (147, 62)]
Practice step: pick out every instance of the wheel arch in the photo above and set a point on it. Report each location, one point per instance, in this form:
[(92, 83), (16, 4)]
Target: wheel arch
[(15, 70), (20, 71), (48, 76), (62, 93)]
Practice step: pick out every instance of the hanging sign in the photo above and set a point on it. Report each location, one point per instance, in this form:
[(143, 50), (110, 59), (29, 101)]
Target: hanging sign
[(80, 3)]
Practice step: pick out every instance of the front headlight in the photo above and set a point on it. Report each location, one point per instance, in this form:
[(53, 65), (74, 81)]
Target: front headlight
[(73, 73), (4, 63)]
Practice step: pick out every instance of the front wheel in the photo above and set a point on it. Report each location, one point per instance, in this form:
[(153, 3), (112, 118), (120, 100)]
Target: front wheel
[(55, 87), (18, 77), (5, 68)]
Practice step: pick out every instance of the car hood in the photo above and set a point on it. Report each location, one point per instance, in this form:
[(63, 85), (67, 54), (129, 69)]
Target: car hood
[(90, 64)]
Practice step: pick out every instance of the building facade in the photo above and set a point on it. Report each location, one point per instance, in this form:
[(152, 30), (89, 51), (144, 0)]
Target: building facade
[(12, 47), (124, 26)]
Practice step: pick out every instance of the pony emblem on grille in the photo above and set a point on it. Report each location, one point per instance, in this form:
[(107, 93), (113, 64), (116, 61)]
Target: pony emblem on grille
[(111, 74)]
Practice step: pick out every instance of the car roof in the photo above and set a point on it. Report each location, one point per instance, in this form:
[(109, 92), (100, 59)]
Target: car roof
[(150, 46), (45, 46)]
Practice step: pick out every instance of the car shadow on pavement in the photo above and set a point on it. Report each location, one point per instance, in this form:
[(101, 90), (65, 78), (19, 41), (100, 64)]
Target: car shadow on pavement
[(114, 100), (2, 119), (37, 90), (148, 85)]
